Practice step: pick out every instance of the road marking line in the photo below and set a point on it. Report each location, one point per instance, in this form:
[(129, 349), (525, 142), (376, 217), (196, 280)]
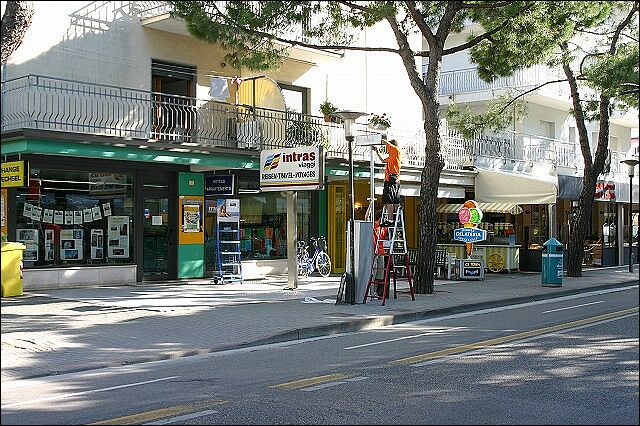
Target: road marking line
[(505, 339), (147, 416), (56, 397), (331, 384), (183, 418), (297, 384), (404, 338), (516, 342), (571, 307)]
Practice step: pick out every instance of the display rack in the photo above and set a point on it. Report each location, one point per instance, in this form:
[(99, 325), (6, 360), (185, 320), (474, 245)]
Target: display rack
[(228, 250)]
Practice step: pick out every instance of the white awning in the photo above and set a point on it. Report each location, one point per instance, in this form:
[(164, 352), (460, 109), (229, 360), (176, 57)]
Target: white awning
[(500, 187), (485, 207), (413, 190)]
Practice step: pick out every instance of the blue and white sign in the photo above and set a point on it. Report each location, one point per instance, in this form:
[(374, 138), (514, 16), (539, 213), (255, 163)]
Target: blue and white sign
[(219, 185), (469, 235)]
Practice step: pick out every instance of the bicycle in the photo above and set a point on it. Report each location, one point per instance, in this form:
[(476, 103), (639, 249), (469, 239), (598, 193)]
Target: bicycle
[(320, 260)]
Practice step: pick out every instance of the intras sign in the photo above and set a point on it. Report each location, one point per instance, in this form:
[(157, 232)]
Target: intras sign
[(291, 169)]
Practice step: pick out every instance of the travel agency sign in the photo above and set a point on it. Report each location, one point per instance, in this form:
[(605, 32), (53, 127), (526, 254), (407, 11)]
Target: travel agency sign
[(291, 169)]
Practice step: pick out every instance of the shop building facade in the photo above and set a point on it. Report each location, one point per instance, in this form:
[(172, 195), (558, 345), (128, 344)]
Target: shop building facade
[(134, 129)]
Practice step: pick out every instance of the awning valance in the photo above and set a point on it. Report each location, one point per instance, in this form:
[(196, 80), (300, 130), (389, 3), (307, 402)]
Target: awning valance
[(501, 187), (485, 207)]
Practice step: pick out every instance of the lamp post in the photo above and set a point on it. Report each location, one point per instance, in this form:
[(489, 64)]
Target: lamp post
[(631, 164), (348, 119)]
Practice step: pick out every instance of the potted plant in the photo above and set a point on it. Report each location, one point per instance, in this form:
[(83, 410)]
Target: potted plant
[(326, 108), (379, 122)]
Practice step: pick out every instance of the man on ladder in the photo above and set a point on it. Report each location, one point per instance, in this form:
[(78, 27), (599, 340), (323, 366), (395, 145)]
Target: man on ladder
[(391, 190)]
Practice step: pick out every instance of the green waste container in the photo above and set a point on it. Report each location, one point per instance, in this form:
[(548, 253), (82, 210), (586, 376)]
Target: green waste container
[(552, 263), (12, 269)]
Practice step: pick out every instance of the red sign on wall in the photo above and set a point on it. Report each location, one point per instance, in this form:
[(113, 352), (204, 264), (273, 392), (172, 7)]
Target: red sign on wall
[(605, 191)]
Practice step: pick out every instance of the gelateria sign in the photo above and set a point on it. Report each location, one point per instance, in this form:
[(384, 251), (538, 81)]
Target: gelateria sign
[(291, 169), (470, 216), (15, 173)]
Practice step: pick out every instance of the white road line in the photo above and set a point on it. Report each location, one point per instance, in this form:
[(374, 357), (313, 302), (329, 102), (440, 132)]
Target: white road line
[(571, 307), (57, 397), (515, 342), (182, 418), (331, 384), (403, 338)]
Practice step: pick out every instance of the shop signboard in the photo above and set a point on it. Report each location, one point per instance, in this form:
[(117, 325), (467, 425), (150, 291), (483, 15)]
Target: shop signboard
[(470, 269), (291, 169), (605, 191), (469, 235), (219, 185), (15, 174)]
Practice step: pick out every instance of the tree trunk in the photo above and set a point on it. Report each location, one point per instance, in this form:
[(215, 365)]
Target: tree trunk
[(434, 163), (580, 225), (15, 22)]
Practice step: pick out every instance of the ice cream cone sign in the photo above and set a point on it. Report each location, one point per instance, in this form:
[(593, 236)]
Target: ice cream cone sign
[(470, 216)]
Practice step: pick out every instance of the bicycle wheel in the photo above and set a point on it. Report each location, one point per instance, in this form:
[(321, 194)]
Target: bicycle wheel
[(323, 264), (302, 262)]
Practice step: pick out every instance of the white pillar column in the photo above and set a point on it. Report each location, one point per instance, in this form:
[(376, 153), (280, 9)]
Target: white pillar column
[(292, 239)]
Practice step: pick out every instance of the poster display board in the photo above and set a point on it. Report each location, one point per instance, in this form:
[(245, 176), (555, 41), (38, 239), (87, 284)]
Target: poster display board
[(118, 236), (71, 244), (97, 244), (49, 242), (28, 237), (191, 214)]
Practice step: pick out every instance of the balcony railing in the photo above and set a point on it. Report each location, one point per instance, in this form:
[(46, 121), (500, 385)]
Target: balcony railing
[(39, 102), (468, 80)]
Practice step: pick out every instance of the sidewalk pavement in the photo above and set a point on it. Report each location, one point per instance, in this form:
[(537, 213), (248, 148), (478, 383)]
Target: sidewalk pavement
[(65, 330)]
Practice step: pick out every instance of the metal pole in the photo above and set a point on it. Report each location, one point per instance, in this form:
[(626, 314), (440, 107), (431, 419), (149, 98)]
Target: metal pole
[(372, 189), (350, 277), (292, 239), (631, 222)]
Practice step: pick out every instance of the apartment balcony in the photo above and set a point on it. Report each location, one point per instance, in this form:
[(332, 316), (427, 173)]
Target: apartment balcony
[(185, 123), (469, 81), (178, 122)]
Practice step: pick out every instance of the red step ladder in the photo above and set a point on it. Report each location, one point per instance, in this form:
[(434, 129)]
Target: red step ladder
[(394, 252)]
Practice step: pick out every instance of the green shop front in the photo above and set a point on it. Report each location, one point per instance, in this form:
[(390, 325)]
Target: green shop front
[(105, 213)]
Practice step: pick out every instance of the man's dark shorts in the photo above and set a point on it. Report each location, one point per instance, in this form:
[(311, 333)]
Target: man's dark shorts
[(391, 193)]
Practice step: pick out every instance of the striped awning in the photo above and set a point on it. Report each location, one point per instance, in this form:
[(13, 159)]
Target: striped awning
[(485, 207)]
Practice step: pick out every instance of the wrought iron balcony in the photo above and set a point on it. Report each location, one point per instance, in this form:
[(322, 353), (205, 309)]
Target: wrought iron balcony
[(468, 81), (54, 104)]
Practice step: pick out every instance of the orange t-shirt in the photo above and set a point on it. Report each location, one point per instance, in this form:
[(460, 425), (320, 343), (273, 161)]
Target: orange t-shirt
[(393, 161)]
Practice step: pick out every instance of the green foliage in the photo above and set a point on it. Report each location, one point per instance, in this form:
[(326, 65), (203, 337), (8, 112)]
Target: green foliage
[(499, 116), (616, 75), (531, 36), (327, 107)]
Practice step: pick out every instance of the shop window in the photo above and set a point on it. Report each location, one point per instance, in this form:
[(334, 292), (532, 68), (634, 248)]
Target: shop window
[(72, 218), (263, 225)]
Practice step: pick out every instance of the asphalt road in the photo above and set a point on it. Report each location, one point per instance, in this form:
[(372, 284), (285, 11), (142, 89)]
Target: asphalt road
[(570, 360)]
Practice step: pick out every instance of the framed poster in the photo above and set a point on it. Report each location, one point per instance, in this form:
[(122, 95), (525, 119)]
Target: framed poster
[(87, 215), (118, 236), (47, 216), (49, 241), (191, 214), (58, 217), (71, 244), (29, 237), (97, 244)]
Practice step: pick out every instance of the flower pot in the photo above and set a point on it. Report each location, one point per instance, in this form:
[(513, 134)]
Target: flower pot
[(381, 127)]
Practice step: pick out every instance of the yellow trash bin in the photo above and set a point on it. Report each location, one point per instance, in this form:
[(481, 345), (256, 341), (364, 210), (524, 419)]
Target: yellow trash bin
[(12, 269)]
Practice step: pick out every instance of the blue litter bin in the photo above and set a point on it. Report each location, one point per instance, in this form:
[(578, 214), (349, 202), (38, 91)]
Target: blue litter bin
[(552, 263)]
